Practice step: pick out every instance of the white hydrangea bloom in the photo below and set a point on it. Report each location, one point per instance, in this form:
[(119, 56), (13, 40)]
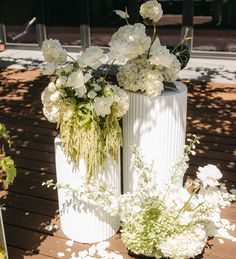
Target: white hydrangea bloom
[(129, 42), (151, 10), (209, 175), (76, 81), (92, 57), (184, 245), (53, 52), (102, 106), (139, 75)]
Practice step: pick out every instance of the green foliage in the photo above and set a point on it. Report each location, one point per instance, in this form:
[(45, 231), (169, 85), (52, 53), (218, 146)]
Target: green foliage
[(3, 132), (170, 85), (7, 166), (181, 52)]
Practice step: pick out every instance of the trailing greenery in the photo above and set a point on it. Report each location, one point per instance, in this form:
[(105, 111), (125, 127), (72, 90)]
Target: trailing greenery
[(85, 138), (7, 166)]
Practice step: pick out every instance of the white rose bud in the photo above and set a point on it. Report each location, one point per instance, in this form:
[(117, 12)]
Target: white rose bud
[(151, 10)]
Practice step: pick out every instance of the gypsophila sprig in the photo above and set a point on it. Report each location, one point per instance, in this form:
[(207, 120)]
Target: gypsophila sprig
[(147, 66), (86, 108)]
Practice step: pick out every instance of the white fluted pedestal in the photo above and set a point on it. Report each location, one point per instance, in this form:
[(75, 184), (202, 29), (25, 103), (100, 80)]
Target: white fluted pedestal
[(157, 126), (81, 221)]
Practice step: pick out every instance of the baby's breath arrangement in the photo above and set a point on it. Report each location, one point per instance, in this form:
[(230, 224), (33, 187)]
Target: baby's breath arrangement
[(148, 66), (7, 166), (165, 221), (86, 107)]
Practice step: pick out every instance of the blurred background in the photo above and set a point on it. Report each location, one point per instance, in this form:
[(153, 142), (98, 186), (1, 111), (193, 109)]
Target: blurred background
[(76, 23)]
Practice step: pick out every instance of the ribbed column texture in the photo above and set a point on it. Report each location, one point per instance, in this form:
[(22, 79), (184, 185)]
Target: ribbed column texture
[(81, 221), (157, 126)]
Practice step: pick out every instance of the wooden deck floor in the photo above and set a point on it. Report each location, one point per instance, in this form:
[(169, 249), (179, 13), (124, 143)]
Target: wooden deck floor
[(31, 207)]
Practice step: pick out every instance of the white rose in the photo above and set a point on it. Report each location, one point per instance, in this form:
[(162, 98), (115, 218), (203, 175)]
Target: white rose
[(160, 55), (102, 106), (92, 94), (151, 10), (53, 52), (76, 80), (209, 175), (129, 42), (49, 69), (92, 57)]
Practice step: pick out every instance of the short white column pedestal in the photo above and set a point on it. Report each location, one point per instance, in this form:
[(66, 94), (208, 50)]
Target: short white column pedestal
[(81, 221), (157, 126)]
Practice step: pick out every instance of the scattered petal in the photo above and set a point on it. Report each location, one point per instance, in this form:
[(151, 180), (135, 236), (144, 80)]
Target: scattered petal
[(60, 254), (69, 243), (221, 241)]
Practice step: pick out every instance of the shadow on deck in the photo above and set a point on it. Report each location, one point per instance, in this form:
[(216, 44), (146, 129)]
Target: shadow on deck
[(31, 208)]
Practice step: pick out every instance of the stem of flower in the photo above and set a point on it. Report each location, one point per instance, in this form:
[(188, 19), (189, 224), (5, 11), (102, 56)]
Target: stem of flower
[(154, 35), (126, 15), (189, 199), (108, 69), (71, 57)]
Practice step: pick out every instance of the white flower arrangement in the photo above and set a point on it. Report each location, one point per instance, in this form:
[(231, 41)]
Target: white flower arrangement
[(167, 221), (86, 108), (147, 66)]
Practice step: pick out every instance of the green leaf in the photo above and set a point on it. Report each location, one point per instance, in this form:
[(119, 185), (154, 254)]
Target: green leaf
[(170, 85), (181, 52), (8, 166), (3, 132)]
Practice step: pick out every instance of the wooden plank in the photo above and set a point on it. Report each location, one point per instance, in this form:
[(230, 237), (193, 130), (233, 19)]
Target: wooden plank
[(16, 253), (41, 206)]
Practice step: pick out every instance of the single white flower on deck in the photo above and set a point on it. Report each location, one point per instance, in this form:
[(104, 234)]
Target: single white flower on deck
[(209, 175)]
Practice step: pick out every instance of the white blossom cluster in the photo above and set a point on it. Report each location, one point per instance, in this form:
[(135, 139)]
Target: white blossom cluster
[(146, 63), (139, 75), (165, 221), (175, 222), (76, 84)]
